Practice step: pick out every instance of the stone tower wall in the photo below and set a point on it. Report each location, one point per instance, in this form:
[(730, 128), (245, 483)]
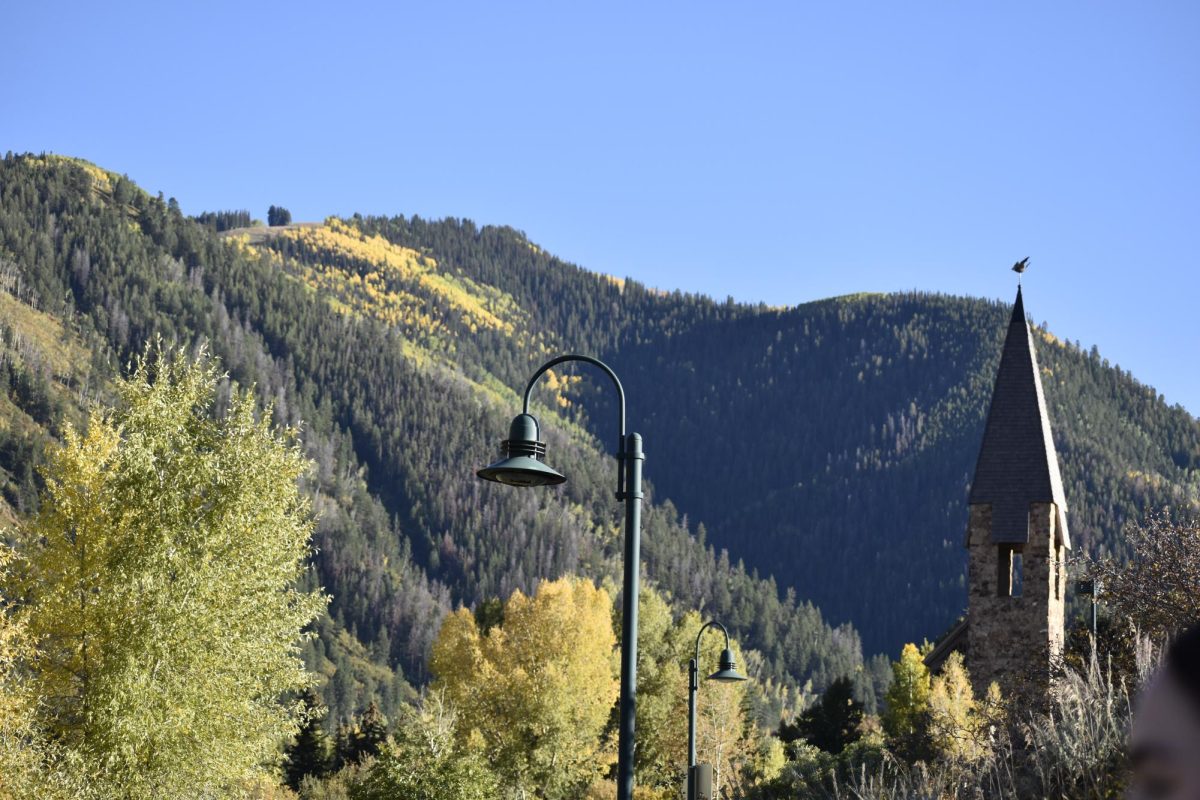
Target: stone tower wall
[(1014, 640)]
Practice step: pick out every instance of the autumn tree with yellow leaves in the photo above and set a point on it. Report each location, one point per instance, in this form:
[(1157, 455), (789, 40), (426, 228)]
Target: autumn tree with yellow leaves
[(20, 753), (938, 716), (958, 722), (535, 692), (905, 720)]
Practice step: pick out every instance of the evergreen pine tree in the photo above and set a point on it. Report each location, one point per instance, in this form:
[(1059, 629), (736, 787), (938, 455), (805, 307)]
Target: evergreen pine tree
[(373, 731), (312, 752), (344, 745), (832, 722)]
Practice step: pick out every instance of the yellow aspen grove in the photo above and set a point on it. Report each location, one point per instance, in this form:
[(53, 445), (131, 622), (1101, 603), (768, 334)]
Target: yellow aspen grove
[(538, 688)]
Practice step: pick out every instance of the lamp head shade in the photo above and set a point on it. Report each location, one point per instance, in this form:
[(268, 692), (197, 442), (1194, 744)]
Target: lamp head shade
[(522, 457), (728, 671)]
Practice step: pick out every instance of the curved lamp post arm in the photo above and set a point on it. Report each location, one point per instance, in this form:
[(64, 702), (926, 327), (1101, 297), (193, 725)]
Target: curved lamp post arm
[(542, 370), (710, 624)]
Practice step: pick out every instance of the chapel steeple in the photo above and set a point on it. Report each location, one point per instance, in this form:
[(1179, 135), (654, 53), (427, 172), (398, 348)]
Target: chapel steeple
[(1017, 528), (1017, 462)]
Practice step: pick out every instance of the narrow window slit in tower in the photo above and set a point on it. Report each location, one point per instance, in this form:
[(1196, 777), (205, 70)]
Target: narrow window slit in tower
[(1011, 577)]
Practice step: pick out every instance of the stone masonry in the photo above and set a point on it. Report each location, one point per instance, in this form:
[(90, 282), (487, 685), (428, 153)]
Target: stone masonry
[(1014, 639)]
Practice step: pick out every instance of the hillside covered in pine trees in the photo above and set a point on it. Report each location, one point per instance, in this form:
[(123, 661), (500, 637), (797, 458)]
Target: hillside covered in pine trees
[(809, 465)]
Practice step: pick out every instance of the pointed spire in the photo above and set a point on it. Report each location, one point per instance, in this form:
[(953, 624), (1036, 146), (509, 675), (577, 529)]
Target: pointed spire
[(1017, 462)]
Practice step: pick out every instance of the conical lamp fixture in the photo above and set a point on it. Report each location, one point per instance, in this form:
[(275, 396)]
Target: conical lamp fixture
[(522, 452), (728, 671)]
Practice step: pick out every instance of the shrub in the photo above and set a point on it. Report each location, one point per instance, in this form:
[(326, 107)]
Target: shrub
[(1073, 749)]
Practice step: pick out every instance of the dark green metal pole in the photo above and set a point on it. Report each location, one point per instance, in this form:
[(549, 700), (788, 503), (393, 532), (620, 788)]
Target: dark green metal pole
[(693, 688), (632, 458)]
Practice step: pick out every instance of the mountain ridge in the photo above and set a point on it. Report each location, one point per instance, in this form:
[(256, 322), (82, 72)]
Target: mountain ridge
[(381, 335)]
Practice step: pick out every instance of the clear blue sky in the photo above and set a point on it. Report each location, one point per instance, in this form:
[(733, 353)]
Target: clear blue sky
[(778, 152)]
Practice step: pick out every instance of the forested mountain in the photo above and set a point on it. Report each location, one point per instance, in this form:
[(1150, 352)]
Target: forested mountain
[(827, 446), (832, 444), (399, 372)]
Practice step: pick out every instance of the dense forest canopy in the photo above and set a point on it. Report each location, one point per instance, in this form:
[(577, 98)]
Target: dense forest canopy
[(387, 380), (845, 430)]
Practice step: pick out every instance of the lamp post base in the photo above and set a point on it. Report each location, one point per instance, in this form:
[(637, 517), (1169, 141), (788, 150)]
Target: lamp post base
[(701, 780)]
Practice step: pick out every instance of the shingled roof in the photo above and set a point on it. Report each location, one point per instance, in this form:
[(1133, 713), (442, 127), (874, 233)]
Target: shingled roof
[(1017, 462)]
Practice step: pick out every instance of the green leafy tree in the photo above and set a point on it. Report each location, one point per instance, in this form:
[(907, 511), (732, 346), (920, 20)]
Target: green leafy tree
[(161, 577), (374, 731), (362, 737), (489, 613), (426, 762), (662, 694)]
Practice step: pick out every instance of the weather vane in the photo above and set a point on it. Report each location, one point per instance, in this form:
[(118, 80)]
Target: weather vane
[(1020, 267)]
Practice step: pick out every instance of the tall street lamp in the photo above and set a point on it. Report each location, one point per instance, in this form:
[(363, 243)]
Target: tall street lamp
[(523, 464), (726, 673)]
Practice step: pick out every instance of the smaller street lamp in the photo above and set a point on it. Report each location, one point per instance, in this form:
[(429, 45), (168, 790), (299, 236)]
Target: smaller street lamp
[(726, 673), (1090, 588)]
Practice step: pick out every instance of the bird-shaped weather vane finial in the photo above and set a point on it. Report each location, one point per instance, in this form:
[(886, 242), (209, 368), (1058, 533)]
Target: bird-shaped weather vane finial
[(1020, 267)]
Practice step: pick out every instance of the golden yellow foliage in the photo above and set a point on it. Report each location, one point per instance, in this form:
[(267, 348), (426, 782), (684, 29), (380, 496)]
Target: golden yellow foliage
[(536, 690), (101, 178), (16, 763), (956, 725), (908, 694), (1049, 338), (395, 283), (561, 386)]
